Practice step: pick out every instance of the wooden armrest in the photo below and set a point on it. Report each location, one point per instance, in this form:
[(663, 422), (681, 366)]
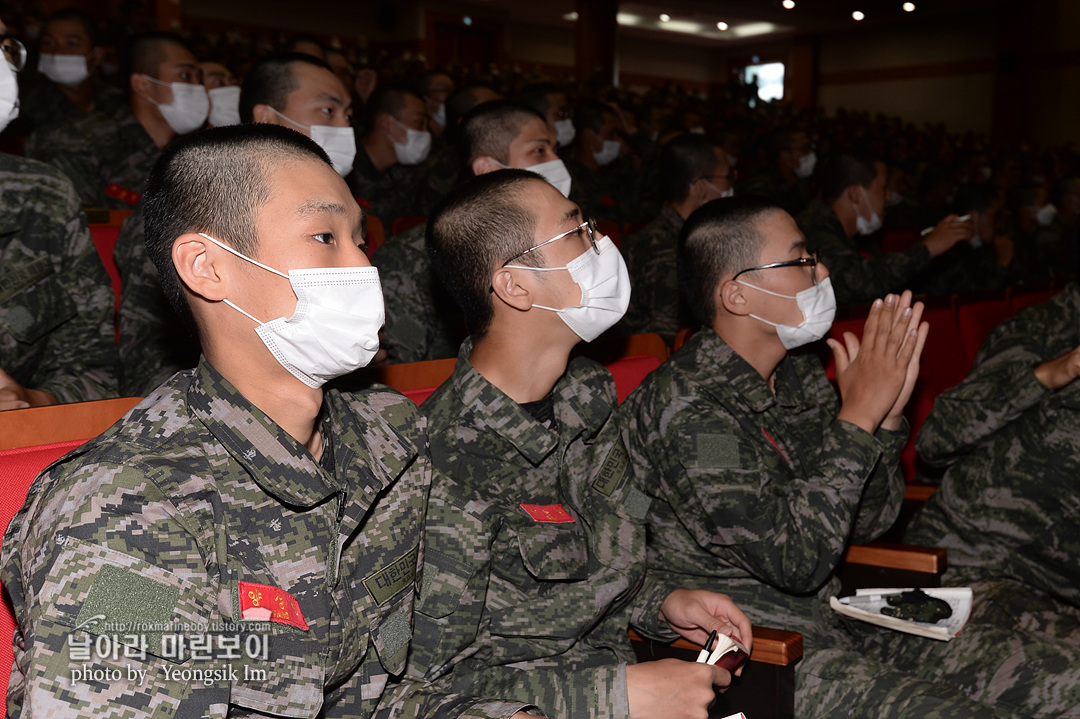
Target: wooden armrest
[(771, 646), (918, 492), (931, 560)]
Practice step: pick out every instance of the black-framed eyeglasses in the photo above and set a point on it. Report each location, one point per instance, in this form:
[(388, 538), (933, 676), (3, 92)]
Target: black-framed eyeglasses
[(14, 51), (812, 260), (590, 230)]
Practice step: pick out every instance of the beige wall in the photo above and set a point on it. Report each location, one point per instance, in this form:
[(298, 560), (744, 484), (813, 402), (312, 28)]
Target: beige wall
[(922, 74)]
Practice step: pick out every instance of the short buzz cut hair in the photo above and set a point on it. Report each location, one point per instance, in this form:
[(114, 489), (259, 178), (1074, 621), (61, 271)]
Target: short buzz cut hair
[(271, 82), (387, 100), (719, 239), (214, 181), (474, 231), (839, 172), (489, 128), (683, 160), (148, 51), (590, 114)]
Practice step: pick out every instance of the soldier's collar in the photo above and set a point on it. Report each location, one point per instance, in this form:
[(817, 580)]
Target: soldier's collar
[(279, 464), (722, 370)]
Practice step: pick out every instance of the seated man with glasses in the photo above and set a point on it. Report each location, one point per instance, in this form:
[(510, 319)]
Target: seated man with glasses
[(56, 306), (693, 171), (535, 542), (762, 478)]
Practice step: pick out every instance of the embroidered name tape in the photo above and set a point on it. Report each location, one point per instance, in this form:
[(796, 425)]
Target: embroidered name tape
[(263, 603), (549, 513)]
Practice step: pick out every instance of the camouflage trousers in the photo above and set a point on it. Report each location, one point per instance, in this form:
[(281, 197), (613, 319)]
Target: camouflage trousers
[(1017, 656)]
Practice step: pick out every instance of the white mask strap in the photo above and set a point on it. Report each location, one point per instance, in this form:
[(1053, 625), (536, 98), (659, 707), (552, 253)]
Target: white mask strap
[(242, 256), (768, 292), (534, 269), (245, 314), (289, 119)]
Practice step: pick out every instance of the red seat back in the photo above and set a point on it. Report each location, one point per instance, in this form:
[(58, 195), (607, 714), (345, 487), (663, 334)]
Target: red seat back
[(18, 467), (976, 319), (1026, 298), (419, 395), (406, 222), (628, 372)]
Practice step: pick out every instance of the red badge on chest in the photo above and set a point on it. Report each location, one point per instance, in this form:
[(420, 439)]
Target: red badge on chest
[(263, 603), (551, 513)]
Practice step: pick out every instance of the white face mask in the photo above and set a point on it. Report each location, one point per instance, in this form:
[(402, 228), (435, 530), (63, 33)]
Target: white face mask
[(9, 95), (608, 153), (66, 70), (807, 163), (224, 105), (729, 192), (335, 328), (862, 225), (731, 160), (555, 172), (339, 143), (416, 148), (1046, 214), (565, 132), (605, 290), (818, 307), (189, 108), (439, 116)]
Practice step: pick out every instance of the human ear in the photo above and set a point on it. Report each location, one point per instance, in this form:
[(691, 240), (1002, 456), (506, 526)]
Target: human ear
[(505, 286), (729, 295), (198, 264), (139, 84), (484, 164), (263, 113)]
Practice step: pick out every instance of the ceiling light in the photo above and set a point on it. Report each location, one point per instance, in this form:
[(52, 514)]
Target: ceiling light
[(467, 20), (857, 15), (789, 4), (909, 7), (571, 16), (721, 26), (664, 17)]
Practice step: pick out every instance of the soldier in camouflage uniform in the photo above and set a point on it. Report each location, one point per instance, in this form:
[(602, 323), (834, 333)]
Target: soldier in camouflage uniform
[(763, 480), (693, 171), (57, 341), (386, 174), (55, 97), (422, 321), (534, 529), (242, 543), (1009, 436), (853, 203), (785, 178), (56, 329), (606, 185), (108, 157)]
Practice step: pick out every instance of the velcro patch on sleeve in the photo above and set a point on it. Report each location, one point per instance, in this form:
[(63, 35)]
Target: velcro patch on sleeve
[(122, 600), (384, 583), (716, 450), (265, 603), (548, 513), (613, 471)]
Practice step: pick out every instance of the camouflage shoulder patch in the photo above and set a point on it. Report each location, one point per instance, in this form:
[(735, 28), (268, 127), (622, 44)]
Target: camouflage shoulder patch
[(384, 583), (613, 471), (124, 600), (716, 450)]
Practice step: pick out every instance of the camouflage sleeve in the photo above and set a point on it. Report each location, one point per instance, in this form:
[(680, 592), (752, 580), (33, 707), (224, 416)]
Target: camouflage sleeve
[(154, 344), (739, 497), (1002, 385), (411, 320), (857, 279), (130, 557), (884, 492), (65, 149), (80, 360), (654, 301), (413, 697)]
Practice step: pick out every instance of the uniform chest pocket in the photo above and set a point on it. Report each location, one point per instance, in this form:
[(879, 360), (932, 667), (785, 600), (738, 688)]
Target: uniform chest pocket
[(285, 679), (42, 304), (555, 551)]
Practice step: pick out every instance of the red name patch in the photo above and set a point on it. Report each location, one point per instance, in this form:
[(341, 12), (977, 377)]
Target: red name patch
[(122, 193), (551, 513), (263, 603)]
